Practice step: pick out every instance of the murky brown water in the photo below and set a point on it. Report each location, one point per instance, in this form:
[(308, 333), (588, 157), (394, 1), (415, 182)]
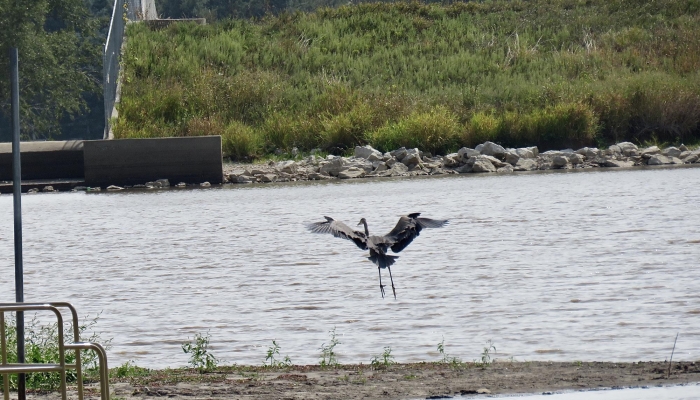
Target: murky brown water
[(560, 266)]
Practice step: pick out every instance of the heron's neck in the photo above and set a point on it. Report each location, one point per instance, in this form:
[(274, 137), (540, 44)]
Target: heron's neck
[(366, 230)]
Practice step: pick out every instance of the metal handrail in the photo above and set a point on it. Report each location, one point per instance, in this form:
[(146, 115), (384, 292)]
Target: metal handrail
[(13, 368), (77, 345)]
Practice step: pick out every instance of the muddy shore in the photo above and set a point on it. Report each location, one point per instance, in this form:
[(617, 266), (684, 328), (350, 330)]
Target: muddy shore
[(398, 381)]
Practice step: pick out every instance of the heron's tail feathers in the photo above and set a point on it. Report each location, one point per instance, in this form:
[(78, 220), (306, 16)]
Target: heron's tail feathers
[(382, 260)]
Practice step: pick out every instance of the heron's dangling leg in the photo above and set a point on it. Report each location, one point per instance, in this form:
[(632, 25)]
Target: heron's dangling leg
[(392, 282), (381, 287)]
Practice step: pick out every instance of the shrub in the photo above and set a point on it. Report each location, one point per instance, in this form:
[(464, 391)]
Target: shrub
[(240, 142), (481, 127), (436, 131), (563, 125), (346, 130)]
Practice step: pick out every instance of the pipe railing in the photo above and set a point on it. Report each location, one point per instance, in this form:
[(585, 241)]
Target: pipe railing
[(6, 368)]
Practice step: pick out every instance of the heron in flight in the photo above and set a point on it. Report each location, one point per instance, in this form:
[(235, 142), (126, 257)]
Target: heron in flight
[(407, 229)]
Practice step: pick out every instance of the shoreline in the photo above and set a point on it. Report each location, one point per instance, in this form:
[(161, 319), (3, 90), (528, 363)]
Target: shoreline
[(486, 158), (396, 381)]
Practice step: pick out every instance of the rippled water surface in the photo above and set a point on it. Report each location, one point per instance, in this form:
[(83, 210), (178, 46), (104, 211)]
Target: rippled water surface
[(559, 266)]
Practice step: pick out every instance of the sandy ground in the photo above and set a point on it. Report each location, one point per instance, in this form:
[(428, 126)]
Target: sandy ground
[(399, 381)]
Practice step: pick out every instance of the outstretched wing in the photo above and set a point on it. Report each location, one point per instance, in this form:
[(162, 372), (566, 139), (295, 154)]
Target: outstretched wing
[(339, 229), (409, 227)]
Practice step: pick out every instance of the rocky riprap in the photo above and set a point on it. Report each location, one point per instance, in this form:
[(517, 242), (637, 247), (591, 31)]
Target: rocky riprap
[(488, 157)]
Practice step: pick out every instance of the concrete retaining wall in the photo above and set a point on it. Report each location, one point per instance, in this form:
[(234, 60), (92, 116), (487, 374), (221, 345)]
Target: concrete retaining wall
[(134, 161), (44, 160)]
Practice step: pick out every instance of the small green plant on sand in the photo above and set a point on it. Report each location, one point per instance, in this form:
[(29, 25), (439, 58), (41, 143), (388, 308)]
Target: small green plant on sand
[(272, 357), (200, 357), (486, 359), (384, 360), (129, 370), (328, 356), (446, 359)]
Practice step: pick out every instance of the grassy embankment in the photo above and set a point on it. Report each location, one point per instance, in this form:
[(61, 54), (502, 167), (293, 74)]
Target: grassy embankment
[(552, 74)]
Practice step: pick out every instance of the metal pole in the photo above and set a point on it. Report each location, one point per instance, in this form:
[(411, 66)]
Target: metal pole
[(17, 189)]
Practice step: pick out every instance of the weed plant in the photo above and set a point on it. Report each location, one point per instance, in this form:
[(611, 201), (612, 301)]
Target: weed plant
[(129, 370), (454, 362), (551, 74), (384, 360), (486, 359), (200, 356), (41, 346), (273, 355), (328, 355)]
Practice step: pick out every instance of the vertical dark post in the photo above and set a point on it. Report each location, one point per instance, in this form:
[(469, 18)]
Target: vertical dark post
[(17, 186)]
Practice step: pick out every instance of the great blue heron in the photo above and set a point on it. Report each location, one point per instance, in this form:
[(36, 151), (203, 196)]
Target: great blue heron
[(408, 227)]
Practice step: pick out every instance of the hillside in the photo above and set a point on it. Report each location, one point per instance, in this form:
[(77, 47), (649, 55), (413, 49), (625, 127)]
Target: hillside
[(552, 74)]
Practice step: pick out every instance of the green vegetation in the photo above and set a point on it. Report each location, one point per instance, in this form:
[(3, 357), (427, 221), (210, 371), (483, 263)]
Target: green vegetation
[(552, 74), (129, 370), (328, 356), (454, 362), (60, 46), (41, 346), (384, 360), (200, 357), (486, 359), (272, 357)]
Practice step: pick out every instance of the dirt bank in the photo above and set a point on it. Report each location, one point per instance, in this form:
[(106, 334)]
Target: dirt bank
[(399, 381)]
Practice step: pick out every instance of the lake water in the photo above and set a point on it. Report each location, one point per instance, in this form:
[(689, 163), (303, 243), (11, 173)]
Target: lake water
[(596, 265)]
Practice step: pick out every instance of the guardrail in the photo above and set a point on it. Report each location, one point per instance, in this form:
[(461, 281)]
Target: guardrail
[(61, 367)]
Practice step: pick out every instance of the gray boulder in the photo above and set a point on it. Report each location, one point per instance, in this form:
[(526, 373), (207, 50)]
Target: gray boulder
[(512, 156), (671, 152), (629, 149), (398, 154), (288, 167), (650, 151), (576, 159), (659, 159), (332, 166), (560, 161), (411, 159), (358, 163), (452, 160), (589, 152), (495, 161), (493, 149), (240, 179), (367, 151), (464, 169), (528, 152), (613, 150), (351, 173), (482, 164), (618, 163), (375, 157), (505, 169), (693, 157), (379, 166), (526, 164), (398, 169), (466, 153), (267, 178)]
